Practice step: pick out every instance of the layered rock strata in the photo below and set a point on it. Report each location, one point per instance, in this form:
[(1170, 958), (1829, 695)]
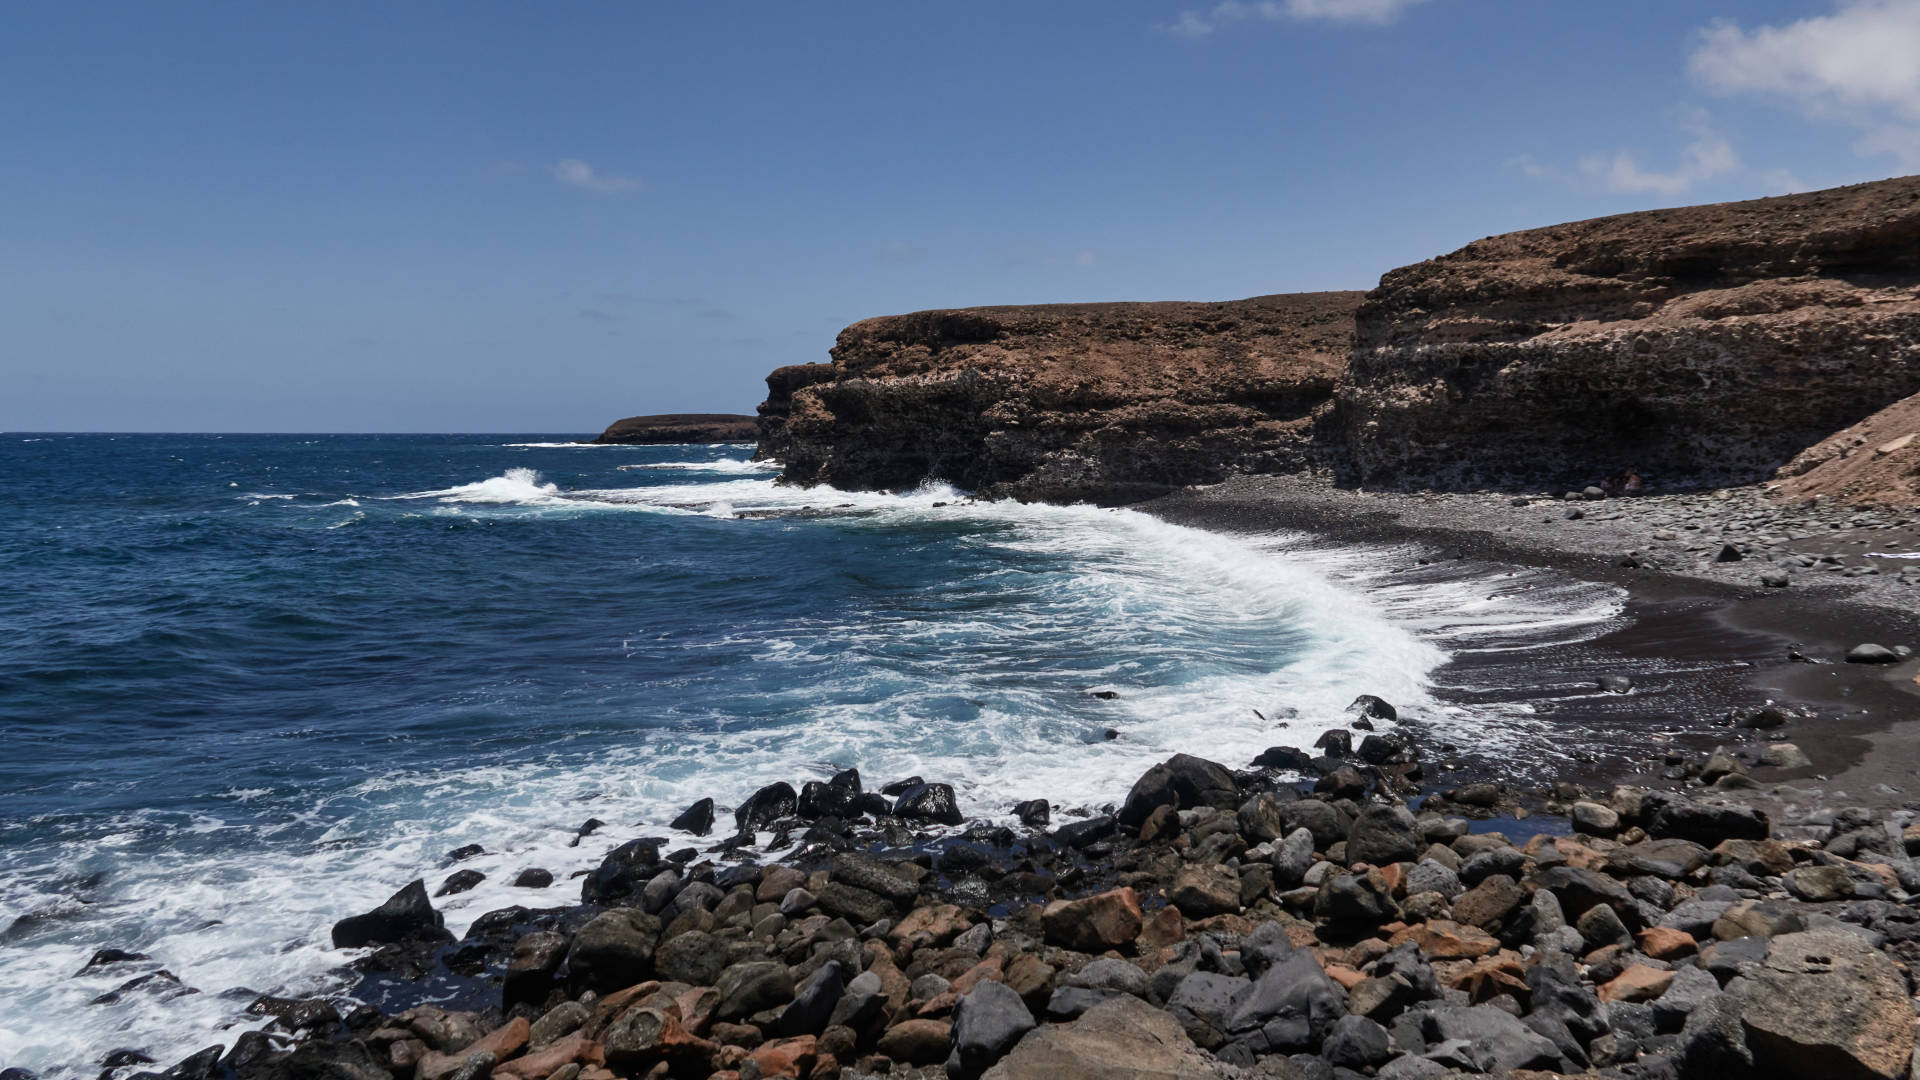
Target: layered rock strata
[(1063, 401), (1701, 344), (681, 428)]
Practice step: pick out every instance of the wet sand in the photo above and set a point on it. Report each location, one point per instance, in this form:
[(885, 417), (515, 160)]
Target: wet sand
[(1699, 640)]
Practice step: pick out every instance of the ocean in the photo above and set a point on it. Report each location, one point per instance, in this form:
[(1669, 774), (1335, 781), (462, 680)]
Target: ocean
[(252, 684)]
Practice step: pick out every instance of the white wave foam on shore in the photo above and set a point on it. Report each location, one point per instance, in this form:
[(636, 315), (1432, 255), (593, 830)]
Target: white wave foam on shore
[(1215, 644)]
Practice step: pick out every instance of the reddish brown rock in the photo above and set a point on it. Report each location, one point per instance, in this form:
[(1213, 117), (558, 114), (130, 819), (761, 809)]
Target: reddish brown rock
[(1063, 400), (1442, 939), (789, 1057), (1097, 923), (916, 1042), (1671, 340), (540, 1064), (1667, 943), (1637, 983)]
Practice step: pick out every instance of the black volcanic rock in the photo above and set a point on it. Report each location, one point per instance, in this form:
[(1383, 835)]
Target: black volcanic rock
[(408, 915), (681, 428)]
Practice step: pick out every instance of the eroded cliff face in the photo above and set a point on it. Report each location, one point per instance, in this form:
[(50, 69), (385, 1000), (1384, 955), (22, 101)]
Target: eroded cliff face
[(1703, 344), (1106, 402)]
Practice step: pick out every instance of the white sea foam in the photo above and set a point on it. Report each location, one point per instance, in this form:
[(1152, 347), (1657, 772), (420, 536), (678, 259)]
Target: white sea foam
[(1274, 636), (719, 465)]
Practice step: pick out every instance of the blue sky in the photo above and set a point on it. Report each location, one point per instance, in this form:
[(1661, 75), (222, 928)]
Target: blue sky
[(541, 217)]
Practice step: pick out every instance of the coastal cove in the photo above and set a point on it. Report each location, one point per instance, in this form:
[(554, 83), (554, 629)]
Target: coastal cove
[(1156, 640)]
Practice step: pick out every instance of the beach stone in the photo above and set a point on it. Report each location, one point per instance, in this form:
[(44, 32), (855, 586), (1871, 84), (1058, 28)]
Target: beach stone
[(929, 802), (1355, 899), (875, 877), (813, 1003), (530, 973), (1373, 708), (1491, 1037), (1750, 918), (1259, 819), (796, 1057), (407, 915), (1819, 884), (1109, 973), (1285, 757), (1726, 959), (1709, 823), (857, 906), (1382, 835), (614, 950), (1663, 858), (460, 881), (1489, 904), (1637, 983), (1825, 1003), (696, 819), (917, 1042), (764, 807), (1691, 987), (1093, 924), (1319, 818), (533, 878), (1086, 833), (1666, 942), (1204, 891), (1356, 1042), (1594, 819), (693, 957), (1600, 926), (1123, 1038), (1345, 782), (1713, 1043), (1430, 876), (624, 872), (751, 987), (1034, 813), (1872, 654), (1292, 857), (1293, 1003), (1785, 756), (987, 1023), (1183, 782)]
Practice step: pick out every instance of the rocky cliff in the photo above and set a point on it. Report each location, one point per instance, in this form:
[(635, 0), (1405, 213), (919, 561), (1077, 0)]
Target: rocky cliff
[(1063, 401), (681, 428), (1703, 344), (1875, 461)]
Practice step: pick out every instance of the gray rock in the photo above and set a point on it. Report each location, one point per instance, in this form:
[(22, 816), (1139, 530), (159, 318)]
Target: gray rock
[(1713, 1044), (1600, 926), (1182, 782), (1872, 654), (1383, 835), (407, 915), (1430, 876), (1492, 1036), (1292, 857), (987, 1023), (813, 1003), (1111, 974), (613, 951), (1120, 1039), (1785, 756), (693, 957), (1294, 1003), (1203, 1002), (1071, 1002), (1259, 819), (1726, 959), (1691, 988), (1355, 900), (1594, 819), (1696, 917), (1826, 1004), (1317, 817), (1356, 1042), (752, 987)]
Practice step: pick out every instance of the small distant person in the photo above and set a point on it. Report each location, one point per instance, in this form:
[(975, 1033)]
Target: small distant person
[(1632, 483)]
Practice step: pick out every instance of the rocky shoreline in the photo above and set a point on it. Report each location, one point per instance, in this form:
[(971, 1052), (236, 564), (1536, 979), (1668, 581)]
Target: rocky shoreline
[(1324, 911)]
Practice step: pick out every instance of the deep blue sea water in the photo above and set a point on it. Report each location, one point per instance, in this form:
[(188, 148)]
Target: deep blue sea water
[(252, 684)]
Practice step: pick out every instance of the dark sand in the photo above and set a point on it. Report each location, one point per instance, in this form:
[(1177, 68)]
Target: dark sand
[(1712, 638)]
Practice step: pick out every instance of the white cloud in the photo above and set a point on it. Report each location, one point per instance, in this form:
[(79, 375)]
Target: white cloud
[(1707, 156), (1859, 66), (1228, 12), (576, 173), (1086, 259)]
